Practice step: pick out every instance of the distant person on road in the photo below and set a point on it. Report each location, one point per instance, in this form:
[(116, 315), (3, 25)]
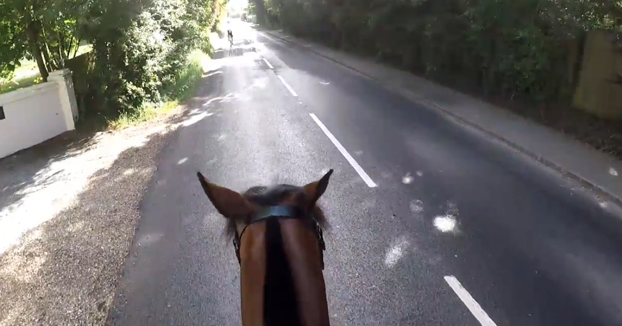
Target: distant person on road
[(230, 36)]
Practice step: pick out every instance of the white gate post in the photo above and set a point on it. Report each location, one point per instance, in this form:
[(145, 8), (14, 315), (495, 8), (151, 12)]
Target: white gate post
[(67, 95)]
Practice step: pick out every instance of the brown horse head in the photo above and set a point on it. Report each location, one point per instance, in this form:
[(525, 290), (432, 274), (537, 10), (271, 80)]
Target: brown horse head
[(278, 239)]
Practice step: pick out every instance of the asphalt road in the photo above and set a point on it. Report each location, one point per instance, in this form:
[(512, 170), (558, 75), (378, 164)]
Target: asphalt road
[(440, 221)]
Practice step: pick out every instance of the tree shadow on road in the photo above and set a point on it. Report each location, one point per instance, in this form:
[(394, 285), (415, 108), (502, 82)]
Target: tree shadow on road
[(238, 49), (34, 168), (31, 167), (65, 270), (233, 52)]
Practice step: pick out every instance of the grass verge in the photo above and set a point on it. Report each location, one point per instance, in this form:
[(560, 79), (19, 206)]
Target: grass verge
[(27, 74), (18, 83)]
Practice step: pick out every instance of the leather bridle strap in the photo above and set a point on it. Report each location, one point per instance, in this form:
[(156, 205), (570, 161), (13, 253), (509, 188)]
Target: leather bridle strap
[(279, 212)]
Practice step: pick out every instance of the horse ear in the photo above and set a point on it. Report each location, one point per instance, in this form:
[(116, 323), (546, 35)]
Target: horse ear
[(315, 190), (229, 203)]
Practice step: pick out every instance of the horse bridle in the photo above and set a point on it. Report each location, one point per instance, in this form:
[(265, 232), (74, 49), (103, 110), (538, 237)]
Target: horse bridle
[(281, 212)]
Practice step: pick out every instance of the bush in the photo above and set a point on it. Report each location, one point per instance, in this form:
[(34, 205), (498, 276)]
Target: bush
[(181, 86), (140, 51), (186, 79)]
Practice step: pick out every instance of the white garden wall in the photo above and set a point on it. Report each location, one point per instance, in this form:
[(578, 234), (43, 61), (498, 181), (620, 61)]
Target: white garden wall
[(37, 113)]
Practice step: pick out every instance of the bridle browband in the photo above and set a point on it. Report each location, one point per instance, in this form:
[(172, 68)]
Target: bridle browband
[(281, 212)]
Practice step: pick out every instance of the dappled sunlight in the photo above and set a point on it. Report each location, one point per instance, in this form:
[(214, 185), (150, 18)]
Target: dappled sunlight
[(24, 215), (99, 177), (47, 196), (613, 172), (219, 99), (213, 73), (244, 48), (129, 171), (75, 227), (611, 208), (41, 179), (407, 179), (196, 118), (448, 222), (28, 266), (66, 250), (260, 83), (396, 251), (14, 313), (194, 111), (55, 185)]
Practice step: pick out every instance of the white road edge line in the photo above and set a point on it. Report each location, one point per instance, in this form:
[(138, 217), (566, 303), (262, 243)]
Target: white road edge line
[(370, 183), (289, 88), (268, 63), (468, 301)]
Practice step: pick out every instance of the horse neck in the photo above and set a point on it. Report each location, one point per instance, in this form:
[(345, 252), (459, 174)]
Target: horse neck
[(293, 289)]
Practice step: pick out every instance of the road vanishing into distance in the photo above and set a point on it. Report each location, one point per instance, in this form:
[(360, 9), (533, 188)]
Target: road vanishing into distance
[(433, 223)]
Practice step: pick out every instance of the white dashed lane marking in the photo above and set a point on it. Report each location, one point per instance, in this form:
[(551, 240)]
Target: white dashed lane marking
[(268, 63), (289, 88), (468, 301), (370, 183)]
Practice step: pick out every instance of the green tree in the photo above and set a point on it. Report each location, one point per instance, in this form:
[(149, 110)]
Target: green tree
[(506, 47), (42, 29), (12, 47), (138, 45)]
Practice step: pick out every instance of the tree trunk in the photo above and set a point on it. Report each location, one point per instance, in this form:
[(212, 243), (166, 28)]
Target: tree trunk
[(33, 40), (578, 64), (46, 55), (63, 51), (75, 52), (70, 47)]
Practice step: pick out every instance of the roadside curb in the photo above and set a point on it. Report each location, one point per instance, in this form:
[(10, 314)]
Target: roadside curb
[(521, 149)]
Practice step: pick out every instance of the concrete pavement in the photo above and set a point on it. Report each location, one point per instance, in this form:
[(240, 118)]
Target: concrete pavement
[(455, 228)]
